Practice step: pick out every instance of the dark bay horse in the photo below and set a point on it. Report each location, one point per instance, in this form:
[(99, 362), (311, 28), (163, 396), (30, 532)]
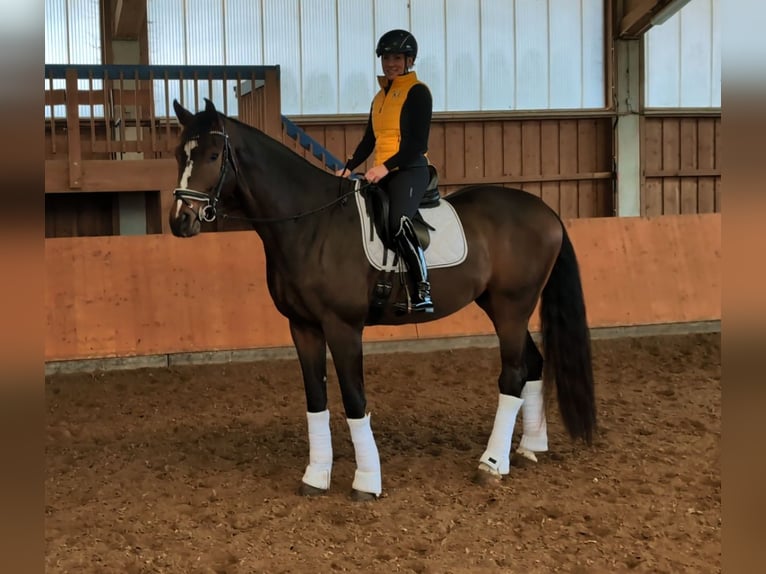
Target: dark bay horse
[(320, 279)]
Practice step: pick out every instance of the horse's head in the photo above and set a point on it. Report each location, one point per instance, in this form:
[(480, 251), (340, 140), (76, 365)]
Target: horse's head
[(205, 169)]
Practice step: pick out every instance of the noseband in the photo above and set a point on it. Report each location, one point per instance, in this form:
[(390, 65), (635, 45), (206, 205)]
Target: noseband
[(207, 212)]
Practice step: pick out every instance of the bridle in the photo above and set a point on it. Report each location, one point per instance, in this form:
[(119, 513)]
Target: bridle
[(207, 211)]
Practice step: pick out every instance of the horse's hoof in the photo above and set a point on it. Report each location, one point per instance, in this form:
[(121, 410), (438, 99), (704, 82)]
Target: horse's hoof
[(528, 454), (308, 490), (359, 496), (486, 476)]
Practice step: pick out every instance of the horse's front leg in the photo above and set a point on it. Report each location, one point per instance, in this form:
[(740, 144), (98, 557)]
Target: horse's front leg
[(345, 342), (310, 344)]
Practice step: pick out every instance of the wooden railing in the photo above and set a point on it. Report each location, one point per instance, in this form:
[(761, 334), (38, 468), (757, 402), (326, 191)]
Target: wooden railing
[(97, 114)]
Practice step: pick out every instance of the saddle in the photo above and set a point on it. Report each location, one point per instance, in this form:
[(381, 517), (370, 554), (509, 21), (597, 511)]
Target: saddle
[(377, 208)]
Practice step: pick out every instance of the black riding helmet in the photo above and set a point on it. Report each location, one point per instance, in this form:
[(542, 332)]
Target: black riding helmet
[(397, 42)]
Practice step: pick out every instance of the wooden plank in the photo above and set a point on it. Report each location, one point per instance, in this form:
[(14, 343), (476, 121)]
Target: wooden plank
[(706, 195), (474, 151), (605, 190), (652, 204), (651, 197), (568, 164), (586, 161), (718, 195), (493, 149), (436, 148), (638, 15), (73, 132), (272, 104), (454, 143), (129, 18), (706, 161), (550, 163), (354, 134), (671, 159), (688, 190), (681, 173), (637, 18), (652, 144), (530, 154), (534, 179), (317, 133), (512, 161), (706, 143), (113, 175), (335, 141), (717, 144)]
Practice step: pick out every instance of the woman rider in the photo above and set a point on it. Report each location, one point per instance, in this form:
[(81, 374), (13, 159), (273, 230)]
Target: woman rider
[(397, 130)]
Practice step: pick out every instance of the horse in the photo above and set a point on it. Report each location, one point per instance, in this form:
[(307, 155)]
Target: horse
[(518, 253)]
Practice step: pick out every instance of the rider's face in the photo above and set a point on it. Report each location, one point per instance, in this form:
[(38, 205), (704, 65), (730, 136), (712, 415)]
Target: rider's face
[(394, 64)]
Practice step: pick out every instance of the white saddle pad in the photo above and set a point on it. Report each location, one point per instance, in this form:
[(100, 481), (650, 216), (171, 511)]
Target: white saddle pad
[(448, 246)]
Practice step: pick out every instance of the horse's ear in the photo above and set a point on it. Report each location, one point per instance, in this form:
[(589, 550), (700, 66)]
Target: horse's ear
[(210, 107), (184, 115)]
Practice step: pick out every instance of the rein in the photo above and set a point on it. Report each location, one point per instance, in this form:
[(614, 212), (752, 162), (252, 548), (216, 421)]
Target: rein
[(340, 199)]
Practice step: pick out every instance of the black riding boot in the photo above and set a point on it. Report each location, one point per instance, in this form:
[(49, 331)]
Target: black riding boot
[(409, 248)]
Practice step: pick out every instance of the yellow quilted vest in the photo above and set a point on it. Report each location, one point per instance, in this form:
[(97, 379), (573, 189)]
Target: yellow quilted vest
[(386, 111)]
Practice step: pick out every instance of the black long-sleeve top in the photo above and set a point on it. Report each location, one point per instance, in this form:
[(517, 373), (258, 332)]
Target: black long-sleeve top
[(414, 125)]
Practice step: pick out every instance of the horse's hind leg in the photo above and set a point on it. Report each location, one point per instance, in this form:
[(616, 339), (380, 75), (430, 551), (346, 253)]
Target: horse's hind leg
[(510, 320), (312, 355), (345, 342), (535, 430)]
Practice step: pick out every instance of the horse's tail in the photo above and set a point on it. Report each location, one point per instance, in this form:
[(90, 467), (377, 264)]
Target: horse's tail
[(566, 344)]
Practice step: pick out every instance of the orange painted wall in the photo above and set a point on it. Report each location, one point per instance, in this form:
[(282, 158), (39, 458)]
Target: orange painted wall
[(128, 296)]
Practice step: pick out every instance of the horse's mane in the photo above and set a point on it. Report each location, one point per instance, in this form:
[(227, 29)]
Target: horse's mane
[(204, 122)]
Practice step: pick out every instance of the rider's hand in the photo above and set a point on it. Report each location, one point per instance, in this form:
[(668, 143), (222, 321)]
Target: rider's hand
[(342, 172), (375, 174)]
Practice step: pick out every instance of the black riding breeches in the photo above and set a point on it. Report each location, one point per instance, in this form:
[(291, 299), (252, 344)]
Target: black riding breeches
[(406, 188)]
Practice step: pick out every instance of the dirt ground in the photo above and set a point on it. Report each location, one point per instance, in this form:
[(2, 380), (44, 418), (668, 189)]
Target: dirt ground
[(195, 470)]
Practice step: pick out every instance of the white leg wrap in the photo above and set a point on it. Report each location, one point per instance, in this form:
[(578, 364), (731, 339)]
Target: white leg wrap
[(320, 451), (367, 477), (498, 453), (535, 437)]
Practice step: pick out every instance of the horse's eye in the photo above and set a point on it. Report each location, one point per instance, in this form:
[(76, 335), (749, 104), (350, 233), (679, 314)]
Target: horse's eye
[(214, 156)]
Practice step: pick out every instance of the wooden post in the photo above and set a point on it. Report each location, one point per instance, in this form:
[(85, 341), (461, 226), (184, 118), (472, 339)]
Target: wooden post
[(73, 130), (272, 104)]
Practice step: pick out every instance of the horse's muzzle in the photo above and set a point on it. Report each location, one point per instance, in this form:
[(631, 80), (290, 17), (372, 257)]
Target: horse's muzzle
[(184, 220)]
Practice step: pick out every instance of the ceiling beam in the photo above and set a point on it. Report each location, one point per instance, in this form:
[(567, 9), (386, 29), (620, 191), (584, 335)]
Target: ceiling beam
[(640, 15), (129, 18)]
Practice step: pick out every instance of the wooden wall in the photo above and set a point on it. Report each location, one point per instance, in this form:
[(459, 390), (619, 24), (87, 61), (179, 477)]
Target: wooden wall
[(128, 296), (681, 165), (564, 160)]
